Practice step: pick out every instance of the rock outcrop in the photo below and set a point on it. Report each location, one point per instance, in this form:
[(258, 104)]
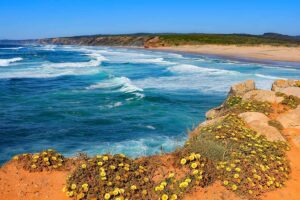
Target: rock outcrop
[(259, 122), (288, 87), (262, 95), (241, 88), (291, 119)]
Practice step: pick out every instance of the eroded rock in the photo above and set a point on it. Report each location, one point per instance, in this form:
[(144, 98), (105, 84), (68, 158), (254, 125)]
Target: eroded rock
[(290, 119), (241, 88), (263, 96), (259, 122)]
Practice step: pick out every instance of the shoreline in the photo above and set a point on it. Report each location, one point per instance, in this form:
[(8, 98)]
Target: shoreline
[(264, 54)]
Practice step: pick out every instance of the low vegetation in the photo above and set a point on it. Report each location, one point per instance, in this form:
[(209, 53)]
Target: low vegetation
[(289, 100), (235, 104), (246, 163), (110, 177), (47, 160), (225, 39)]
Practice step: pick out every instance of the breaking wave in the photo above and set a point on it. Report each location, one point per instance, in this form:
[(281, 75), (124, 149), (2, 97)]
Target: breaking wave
[(6, 62), (123, 84)]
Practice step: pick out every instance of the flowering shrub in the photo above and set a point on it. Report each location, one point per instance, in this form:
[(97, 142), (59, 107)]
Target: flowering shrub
[(235, 104), (45, 160), (254, 164), (110, 177)]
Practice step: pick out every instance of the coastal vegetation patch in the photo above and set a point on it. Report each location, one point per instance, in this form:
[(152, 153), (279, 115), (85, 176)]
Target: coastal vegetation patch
[(111, 177), (235, 104), (250, 164), (289, 100), (47, 160)]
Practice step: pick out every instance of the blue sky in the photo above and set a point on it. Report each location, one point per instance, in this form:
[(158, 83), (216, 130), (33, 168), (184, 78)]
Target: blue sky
[(23, 19)]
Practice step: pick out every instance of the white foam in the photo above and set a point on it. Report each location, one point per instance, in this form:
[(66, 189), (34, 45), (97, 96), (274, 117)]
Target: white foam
[(123, 84), (135, 148), (150, 127), (12, 48), (94, 62), (190, 69), (6, 62), (269, 77)]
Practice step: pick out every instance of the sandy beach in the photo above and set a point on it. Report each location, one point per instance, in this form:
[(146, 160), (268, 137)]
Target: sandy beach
[(276, 53)]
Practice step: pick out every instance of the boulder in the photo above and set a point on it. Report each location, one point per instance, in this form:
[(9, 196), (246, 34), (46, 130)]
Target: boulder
[(213, 113), (290, 119), (259, 122), (295, 91), (279, 84), (262, 95), (241, 88)]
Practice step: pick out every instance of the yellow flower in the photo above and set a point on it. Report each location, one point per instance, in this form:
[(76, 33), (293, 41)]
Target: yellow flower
[(118, 178), (73, 186), (238, 169), (53, 158), (197, 156), (225, 182), (99, 163), (144, 192), (183, 161), (133, 187), (103, 174), (164, 197), (112, 167), (236, 175), (33, 166), (105, 158), (70, 194), (250, 191), (194, 165), (85, 185), (234, 187), (115, 192), (195, 172), (171, 175), (228, 169), (98, 156), (107, 196), (16, 157), (164, 183), (46, 159), (121, 165), (188, 180), (83, 166), (192, 157), (174, 197), (183, 184)]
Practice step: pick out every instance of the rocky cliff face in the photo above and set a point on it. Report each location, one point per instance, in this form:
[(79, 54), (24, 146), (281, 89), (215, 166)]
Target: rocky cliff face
[(135, 41)]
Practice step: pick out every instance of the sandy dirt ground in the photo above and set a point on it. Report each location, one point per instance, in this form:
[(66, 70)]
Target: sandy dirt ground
[(276, 53)]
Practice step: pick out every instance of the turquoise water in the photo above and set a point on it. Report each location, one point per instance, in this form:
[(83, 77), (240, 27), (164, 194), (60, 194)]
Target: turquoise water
[(100, 99)]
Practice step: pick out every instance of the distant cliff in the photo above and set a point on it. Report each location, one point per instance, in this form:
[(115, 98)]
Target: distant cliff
[(159, 40)]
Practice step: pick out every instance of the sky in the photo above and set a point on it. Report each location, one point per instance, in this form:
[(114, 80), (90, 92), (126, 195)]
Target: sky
[(31, 19)]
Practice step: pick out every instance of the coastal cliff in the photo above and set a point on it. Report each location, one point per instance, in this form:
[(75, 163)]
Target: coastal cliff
[(166, 40), (248, 148)]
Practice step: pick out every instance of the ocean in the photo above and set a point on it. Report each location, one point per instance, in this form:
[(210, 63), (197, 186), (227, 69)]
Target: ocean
[(111, 100)]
